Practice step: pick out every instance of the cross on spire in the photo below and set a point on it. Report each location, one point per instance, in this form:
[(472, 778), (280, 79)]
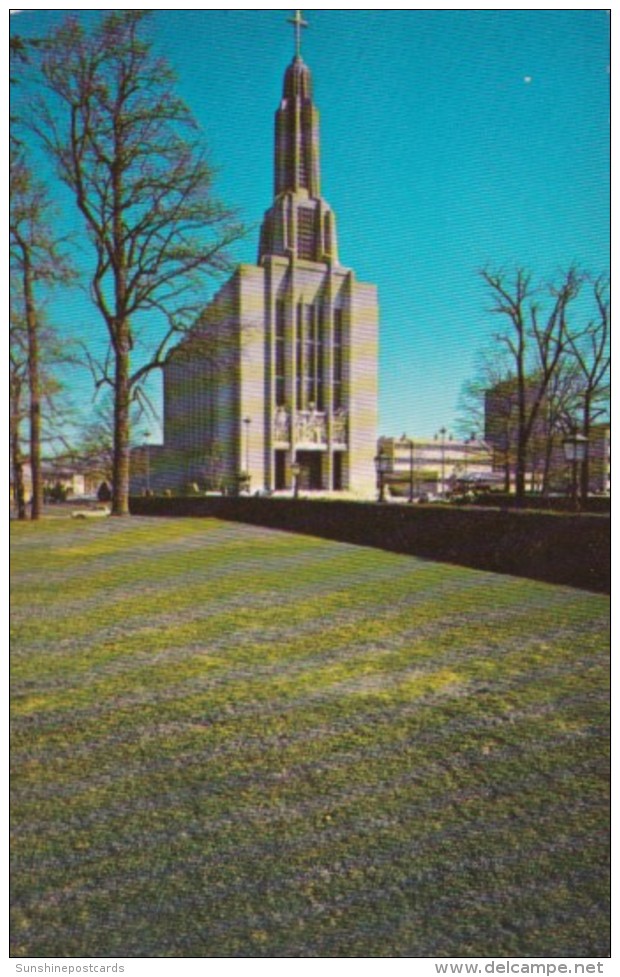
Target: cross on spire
[(298, 23)]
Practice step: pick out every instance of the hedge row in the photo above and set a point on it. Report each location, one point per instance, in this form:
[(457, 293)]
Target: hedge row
[(555, 547)]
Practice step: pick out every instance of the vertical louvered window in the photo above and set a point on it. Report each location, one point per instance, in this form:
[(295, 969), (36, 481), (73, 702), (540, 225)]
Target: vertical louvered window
[(303, 169), (305, 233), (310, 358), (338, 366), (320, 356), (299, 358), (280, 353)]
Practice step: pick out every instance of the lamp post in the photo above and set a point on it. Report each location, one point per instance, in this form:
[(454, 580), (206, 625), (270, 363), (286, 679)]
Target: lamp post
[(575, 446), (247, 421), (295, 472), (469, 443), (382, 464), (409, 443), (146, 435), (442, 433)]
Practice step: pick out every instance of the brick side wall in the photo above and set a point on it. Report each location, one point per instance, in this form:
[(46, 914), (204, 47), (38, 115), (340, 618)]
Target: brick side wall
[(553, 547)]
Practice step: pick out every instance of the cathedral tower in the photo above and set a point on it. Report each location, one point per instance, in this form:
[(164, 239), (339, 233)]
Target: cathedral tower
[(299, 223), (279, 377)]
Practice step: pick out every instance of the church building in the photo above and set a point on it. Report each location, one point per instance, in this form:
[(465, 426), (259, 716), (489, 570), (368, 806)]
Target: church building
[(278, 379)]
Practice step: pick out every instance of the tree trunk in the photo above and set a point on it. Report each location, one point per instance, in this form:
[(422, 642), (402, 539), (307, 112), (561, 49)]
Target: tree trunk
[(585, 466), (17, 463), (34, 387), (507, 476), (520, 468), (547, 466), (120, 478), (521, 459)]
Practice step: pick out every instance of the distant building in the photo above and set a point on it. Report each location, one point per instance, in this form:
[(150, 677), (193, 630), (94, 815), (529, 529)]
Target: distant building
[(63, 478), (599, 459), (501, 432), (436, 466), (281, 369)]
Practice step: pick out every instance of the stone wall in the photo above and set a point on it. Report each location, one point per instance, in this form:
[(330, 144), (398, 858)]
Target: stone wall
[(555, 547)]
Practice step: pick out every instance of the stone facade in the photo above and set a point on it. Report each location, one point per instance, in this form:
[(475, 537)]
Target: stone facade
[(282, 366)]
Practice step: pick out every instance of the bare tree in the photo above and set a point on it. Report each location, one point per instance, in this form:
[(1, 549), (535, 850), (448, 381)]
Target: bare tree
[(125, 145), (536, 340), (492, 379), (590, 350), (94, 445), (56, 411), (36, 262), (558, 406), (18, 381)]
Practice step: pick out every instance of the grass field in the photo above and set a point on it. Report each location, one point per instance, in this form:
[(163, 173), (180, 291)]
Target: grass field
[(229, 741)]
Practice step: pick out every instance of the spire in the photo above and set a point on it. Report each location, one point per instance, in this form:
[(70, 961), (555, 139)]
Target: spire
[(297, 126), (300, 222)]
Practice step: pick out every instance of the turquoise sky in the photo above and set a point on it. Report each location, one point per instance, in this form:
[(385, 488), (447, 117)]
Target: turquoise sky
[(450, 140)]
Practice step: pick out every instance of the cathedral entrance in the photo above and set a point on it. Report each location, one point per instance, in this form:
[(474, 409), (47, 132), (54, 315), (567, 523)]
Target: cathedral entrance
[(311, 474), (337, 467), (280, 471)]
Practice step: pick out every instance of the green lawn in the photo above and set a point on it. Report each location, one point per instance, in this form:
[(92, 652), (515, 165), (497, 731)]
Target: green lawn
[(229, 741)]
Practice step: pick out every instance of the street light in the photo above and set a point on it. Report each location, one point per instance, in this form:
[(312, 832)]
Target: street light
[(409, 442), (295, 472), (575, 446), (442, 432), (470, 441), (382, 464)]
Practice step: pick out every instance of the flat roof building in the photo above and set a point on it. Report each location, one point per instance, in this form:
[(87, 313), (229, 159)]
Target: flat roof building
[(434, 466)]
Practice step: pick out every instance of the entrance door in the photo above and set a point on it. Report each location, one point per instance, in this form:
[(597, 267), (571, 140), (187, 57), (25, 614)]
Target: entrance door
[(311, 475), (280, 472), (337, 469)]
